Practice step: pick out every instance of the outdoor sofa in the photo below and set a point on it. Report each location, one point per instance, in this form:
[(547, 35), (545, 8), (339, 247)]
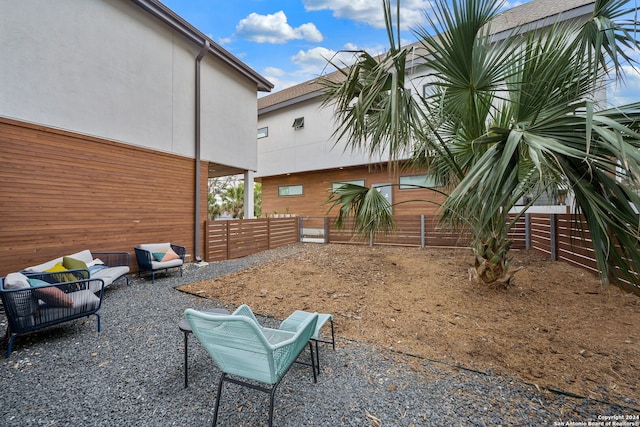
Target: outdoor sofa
[(59, 290), (107, 266), (32, 302)]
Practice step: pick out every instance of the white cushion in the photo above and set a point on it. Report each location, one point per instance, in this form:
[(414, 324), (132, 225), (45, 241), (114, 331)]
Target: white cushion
[(16, 281), (44, 266), (156, 247), (83, 301), (84, 298), (157, 265), (110, 274)]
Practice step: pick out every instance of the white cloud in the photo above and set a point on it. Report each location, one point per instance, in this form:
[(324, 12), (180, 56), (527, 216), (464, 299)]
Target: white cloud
[(627, 91), (275, 29), (370, 12), (314, 62)]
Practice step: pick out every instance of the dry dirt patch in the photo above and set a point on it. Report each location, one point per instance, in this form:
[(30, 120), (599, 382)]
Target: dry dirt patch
[(556, 326)]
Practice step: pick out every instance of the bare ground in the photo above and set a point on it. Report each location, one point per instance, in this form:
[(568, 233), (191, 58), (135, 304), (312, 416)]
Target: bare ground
[(555, 326)]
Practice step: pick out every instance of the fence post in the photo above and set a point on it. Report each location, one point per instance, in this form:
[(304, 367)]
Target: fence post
[(553, 237), (422, 232), (527, 231), (326, 229), (207, 238), (268, 233)]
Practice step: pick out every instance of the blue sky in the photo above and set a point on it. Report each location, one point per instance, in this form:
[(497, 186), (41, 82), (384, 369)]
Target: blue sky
[(288, 41)]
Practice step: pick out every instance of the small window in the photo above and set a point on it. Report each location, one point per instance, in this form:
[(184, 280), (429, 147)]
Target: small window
[(336, 185), (417, 181), (263, 132), (298, 123), (290, 190)]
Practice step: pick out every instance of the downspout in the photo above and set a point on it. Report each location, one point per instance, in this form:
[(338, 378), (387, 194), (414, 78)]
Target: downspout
[(203, 52)]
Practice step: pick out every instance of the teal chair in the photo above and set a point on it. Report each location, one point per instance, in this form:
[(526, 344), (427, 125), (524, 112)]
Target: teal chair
[(244, 350)]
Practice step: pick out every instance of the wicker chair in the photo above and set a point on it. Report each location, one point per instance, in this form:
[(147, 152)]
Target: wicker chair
[(244, 350)]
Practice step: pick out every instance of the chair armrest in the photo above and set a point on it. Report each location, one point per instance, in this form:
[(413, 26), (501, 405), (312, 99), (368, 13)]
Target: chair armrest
[(144, 259), (286, 352), (114, 259), (180, 250)]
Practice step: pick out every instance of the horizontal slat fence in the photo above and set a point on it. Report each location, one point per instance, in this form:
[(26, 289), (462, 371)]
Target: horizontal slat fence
[(555, 235), (232, 239)]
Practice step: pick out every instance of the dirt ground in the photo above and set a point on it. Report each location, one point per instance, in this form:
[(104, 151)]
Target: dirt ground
[(555, 326)]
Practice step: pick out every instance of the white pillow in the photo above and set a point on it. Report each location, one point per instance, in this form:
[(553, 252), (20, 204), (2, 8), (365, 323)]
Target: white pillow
[(96, 261), (16, 281)]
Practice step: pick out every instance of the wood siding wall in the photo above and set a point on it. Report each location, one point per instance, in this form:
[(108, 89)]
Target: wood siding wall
[(62, 192), (317, 187)]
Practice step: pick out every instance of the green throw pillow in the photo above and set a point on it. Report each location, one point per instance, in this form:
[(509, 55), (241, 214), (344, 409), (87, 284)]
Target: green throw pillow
[(73, 264), (58, 275)]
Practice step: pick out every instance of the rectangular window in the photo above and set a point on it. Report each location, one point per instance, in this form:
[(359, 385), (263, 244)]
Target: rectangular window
[(336, 185), (263, 132), (417, 181), (298, 123), (290, 190)]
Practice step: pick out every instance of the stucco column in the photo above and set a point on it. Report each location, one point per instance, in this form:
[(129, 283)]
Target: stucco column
[(248, 195)]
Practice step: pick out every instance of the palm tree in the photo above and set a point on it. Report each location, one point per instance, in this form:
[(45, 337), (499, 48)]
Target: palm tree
[(504, 119)]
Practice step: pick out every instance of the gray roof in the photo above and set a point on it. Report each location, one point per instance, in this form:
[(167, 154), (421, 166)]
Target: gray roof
[(175, 21), (533, 14)]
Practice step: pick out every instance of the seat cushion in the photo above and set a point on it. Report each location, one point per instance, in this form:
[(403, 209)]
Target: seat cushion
[(157, 265), (108, 275), (83, 301)]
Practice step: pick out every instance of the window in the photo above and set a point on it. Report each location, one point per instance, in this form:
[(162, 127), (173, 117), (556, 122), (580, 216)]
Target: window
[(417, 181), (290, 190), (263, 132), (298, 123), (336, 185)]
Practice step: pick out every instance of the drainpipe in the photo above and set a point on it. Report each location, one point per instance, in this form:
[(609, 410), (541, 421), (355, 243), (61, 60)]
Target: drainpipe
[(203, 51)]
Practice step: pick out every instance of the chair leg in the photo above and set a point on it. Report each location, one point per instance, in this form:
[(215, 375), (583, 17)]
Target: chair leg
[(272, 394), (317, 357), (333, 337), (215, 412), (313, 362)]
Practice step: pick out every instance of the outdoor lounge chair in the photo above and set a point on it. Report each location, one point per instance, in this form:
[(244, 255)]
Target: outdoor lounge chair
[(243, 349), (154, 257)]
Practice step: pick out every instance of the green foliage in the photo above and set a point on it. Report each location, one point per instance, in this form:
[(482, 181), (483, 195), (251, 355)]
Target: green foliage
[(230, 199), (502, 120)]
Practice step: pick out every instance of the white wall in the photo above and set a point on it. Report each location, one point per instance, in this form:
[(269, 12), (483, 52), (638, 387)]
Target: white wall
[(107, 68), (229, 116), (287, 150)]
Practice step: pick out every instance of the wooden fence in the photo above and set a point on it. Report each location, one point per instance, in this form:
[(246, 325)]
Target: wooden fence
[(554, 235), (238, 238)]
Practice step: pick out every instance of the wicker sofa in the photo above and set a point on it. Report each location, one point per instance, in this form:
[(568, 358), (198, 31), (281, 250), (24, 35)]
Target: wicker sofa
[(32, 303), (107, 266)]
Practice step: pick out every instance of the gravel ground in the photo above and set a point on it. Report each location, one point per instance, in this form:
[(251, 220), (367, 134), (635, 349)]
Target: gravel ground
[(131, 374)]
